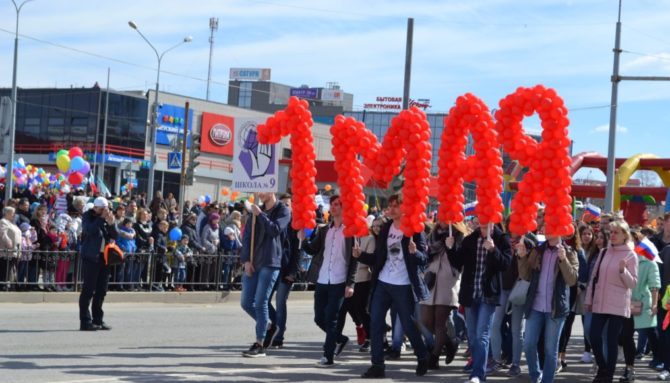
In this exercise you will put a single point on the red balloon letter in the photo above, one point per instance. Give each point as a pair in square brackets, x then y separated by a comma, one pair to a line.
[548, 178]
[470, 115]
[296, 121]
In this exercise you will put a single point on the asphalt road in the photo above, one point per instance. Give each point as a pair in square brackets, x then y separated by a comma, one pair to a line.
[158, 342]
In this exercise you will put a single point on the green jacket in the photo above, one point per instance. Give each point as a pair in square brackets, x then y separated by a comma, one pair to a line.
[648, 278]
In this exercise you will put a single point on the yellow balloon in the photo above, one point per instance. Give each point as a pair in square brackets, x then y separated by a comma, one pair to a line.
[63, 163]
[366, 207]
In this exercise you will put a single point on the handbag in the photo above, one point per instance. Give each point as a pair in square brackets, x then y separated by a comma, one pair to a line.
[113, 255]
[635, 308]
[429, 278]
[518, 294]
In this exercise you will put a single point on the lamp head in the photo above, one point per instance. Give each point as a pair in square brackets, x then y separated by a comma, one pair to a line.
[132, 24]
[188, 39]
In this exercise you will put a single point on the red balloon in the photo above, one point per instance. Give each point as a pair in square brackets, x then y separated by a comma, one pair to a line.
[75, 178]
[76, 152]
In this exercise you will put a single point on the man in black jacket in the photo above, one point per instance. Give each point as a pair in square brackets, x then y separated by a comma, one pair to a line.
[396, 264]
[333, 269]
[98, 229]
[483, 258]
[287, 275]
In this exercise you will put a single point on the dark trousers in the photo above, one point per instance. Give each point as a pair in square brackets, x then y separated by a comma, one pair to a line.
[613, 324]
[95, 277]
[627, 341]
[401, 299]
[566, 333]
[357, 307]
[327, 303]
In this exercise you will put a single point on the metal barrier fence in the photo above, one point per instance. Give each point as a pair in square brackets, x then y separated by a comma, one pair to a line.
[61, 271]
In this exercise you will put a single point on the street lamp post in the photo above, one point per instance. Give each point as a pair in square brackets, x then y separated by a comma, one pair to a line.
[154, 112]
[9, 182]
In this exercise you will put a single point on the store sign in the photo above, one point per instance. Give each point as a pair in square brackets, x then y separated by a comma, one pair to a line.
[395, 103]
[217, 134]
[171, 124]
[250, 74]
[332, 95]
[309, 93]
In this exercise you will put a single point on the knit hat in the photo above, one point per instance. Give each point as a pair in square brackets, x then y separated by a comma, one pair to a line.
[213, 217]
[228, 231]
[25, 227]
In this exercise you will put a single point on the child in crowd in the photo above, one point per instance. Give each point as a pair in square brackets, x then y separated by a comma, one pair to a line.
[126, 242]
[182, 253]
[28, 237]
[230, 246]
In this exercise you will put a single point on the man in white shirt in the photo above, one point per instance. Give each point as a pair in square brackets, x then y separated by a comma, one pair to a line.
[396, 265]
[333, 269]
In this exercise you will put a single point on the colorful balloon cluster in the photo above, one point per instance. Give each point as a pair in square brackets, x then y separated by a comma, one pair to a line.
[296, 121]
[407, 138]
[548, 178]
[73, 164]
[349, 139]
[30, 176]
[470, 115]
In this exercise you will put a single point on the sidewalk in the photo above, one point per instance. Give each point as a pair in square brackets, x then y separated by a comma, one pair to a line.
[139, 297]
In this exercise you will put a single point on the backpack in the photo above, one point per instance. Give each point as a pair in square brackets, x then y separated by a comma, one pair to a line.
[113, 255]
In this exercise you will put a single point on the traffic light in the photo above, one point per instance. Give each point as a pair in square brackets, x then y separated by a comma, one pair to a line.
[193, 153]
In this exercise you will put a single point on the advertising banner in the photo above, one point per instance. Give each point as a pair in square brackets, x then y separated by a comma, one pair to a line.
[250, 74]
[218, 132]
[171, 124]
[255, 166]
[308, 93]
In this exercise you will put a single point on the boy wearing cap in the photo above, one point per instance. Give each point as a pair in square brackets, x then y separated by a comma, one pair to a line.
[98, 229]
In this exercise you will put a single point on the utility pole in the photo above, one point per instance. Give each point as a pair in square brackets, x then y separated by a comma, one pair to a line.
[408, 63]
[213, 26]
[104, 132]
[182, 181]
[610, 190]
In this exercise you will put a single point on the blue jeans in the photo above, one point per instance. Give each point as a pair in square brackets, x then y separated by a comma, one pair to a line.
[181, 275]
[517, 333]
[401, 298]
[478, 319]
[256, 290]
[535, 322]
[496, 327]
[328, 300]
[278, 316]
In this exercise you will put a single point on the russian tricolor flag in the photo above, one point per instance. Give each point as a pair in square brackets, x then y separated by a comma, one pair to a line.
[647, 249]
[593, 210]
[469, 208]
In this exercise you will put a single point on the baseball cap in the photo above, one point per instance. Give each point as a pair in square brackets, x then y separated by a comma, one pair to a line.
[100, 202]
[228, 231]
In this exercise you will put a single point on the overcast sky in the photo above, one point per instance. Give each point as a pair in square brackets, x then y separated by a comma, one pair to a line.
[485, 47]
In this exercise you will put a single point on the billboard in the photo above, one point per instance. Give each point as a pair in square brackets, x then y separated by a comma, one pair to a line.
[170, 122]
[332, 95]
[255, 166]
[217, 134]
[309, 93]
[250, 74]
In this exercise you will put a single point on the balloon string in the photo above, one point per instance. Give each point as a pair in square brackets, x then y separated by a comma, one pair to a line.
[451, 234]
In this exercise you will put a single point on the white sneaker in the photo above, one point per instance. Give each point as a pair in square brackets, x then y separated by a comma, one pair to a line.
[324, 363]
[665, 375]
[474, 379]
[586, 358]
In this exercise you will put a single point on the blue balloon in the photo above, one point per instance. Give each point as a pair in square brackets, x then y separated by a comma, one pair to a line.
[208, 199]
[308, 232]
[175, 234]
[77, 164]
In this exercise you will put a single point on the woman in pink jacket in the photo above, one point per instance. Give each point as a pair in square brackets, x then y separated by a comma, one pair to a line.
[608, 297]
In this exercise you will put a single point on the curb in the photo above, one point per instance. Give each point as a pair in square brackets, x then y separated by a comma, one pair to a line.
[191, 297]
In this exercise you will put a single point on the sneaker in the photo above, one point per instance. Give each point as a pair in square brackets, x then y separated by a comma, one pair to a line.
[277, 344]
[468, 366]
[374, 372]
[392, 354]
[664, 376]
[639, 356]
[269, 336]
[514, 371]
[586, 358]
[365, 347]
[255, 351]
[324, 362]
[656, 366]
[492, 366]
[628, 376]
[339, 347]
[360, 335]
[474, 379]
[422, 367]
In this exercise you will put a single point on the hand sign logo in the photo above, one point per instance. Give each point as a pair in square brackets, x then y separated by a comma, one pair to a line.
[254, 157]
